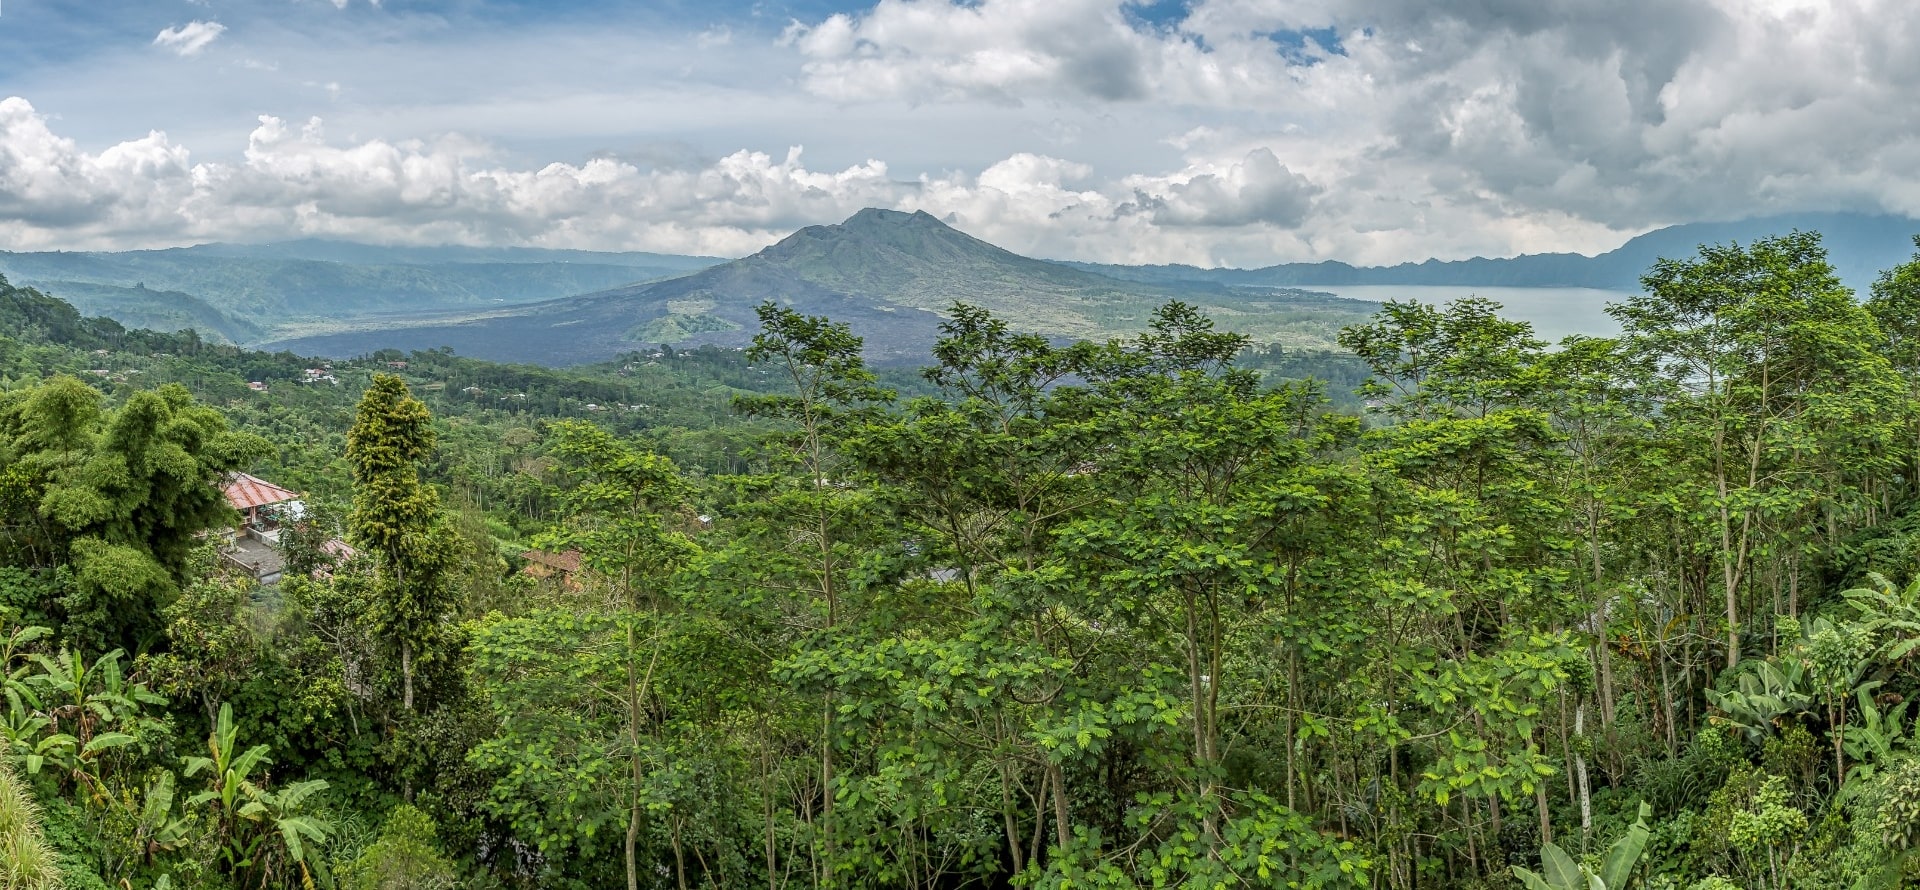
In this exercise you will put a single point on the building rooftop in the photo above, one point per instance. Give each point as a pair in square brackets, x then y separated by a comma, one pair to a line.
[244, 492]
[263, 561]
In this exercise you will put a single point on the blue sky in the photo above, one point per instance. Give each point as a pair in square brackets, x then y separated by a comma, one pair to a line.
[1238, 132]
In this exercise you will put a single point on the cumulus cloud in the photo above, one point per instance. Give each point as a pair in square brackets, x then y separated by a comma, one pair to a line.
[48, 185]
[1408, 122]
[191, 38]
[1243, 132]
[1257, 190]
[998, 49]
[291, 180]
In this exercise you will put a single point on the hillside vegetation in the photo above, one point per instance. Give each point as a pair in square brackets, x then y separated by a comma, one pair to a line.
[1636, 613]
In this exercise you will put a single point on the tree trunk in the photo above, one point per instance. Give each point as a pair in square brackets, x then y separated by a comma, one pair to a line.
[1007, 817]
[406, 675]
[1062, 825]
[679, 860]
[1580, 772]
[1546, 818]
[766, 794]
[826, 790]
[637, 684]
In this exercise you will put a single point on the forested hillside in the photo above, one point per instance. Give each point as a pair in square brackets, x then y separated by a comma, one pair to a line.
[887, 275]
[1145, 612]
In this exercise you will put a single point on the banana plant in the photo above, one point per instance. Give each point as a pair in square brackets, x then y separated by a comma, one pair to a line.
[1872, 740]
[1764, 693]
[229, 771]
[159, 830]
[80, 761]
[1891, 613]
[281, 812]
[22, 724]
[21, 729]
[1875, 735]
[12, 649]
[81, 698]
[246, 815]
[1616, 869]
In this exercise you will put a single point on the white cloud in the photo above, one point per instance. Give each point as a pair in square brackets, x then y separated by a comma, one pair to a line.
[1435, 128]
[1245, 132]
[292, 181]
[1256, 190]
[1001, 50]
[191, 38]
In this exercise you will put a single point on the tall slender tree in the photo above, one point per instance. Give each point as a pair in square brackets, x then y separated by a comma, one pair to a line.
[398, 518]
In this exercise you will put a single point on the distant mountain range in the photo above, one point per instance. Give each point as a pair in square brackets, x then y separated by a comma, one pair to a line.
[347, 252]
[247, 293]
[885, 273]
[1858, 245]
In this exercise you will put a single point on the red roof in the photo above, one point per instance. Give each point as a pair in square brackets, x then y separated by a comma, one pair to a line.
[338, 549]
[245, 492]
[568, 562]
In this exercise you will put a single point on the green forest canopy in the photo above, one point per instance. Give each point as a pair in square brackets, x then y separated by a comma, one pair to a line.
[1608, 613]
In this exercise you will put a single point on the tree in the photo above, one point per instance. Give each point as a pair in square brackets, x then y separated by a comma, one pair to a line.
[988, 473]
[1772, 372]
[815, 523]
[621, 505]
[398, 518]
[1207, 480]
[119, 497]
[1895, 307]
[404, 858]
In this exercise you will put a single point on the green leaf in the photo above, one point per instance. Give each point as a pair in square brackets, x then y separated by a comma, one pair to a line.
[106, 741]
[1561, 871]
[1531, 880]
[1625, 853]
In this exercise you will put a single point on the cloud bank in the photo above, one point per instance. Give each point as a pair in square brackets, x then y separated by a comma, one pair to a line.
[1241, 132]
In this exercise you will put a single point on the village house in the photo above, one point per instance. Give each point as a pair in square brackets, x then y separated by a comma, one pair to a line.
[266, 510]
[254, 546]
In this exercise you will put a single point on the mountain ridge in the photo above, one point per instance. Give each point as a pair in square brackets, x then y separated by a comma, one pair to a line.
[1859, 246]
[266, 294]
[887, 274]
[355, 253]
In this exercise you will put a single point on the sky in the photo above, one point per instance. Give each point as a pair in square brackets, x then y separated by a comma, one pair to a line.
[1212, 132]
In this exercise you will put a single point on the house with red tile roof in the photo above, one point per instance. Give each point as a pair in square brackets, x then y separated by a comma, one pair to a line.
[248, 493]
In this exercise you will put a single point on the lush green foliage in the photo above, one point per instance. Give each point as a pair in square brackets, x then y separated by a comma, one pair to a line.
[1155, 611]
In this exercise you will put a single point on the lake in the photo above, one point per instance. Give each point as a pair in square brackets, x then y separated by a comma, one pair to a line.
[1554, 312]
